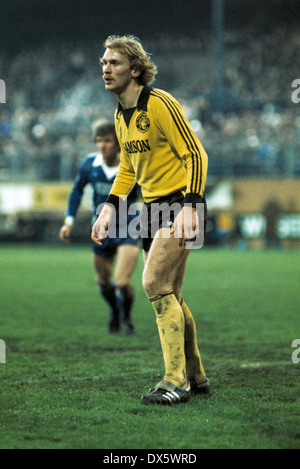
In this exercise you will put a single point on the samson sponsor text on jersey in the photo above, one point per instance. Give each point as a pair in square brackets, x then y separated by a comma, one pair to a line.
[137, 146]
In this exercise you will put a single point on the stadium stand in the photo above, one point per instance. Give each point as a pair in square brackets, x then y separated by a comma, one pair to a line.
[55, 93]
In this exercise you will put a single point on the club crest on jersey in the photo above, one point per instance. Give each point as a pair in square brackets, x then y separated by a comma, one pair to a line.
[143, 122]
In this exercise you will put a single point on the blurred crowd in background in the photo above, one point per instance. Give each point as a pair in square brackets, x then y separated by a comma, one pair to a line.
[54, 92]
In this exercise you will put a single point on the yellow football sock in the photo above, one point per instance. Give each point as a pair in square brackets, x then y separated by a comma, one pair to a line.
[170, 323]
[194, 368]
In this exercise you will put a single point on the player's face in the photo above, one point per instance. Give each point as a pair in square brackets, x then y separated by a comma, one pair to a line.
[117, 73]
[109, 148]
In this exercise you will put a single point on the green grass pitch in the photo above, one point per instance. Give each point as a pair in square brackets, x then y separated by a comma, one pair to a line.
[67, 384]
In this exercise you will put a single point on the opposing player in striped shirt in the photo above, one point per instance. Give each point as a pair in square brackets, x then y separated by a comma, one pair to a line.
[115, 260]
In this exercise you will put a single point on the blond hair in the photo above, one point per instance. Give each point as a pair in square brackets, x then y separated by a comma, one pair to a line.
[139, 59]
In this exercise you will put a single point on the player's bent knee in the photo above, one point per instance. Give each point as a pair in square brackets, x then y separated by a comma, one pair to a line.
[155, 286]
[103, 278]
[149, 288]
[147, 281]
[122, 280]
[126, 290]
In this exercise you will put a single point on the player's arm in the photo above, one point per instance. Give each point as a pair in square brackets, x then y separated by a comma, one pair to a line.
[185, 143]
[101, 225]
[125, 178]
[175, 126]
[66, 230]
[124, 182]
[74, 201]
[122, 186]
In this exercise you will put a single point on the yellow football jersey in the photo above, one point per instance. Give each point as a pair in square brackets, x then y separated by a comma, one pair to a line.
[159, 149]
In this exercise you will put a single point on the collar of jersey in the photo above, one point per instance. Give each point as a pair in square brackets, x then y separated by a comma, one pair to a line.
[98, 161]
[109, 171]
[142, 102]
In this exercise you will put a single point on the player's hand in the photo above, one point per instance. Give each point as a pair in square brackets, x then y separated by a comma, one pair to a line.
[186, 225]
[100, 227]
[65, 233]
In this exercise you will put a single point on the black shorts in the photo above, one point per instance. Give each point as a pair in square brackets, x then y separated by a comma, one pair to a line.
[154, 216]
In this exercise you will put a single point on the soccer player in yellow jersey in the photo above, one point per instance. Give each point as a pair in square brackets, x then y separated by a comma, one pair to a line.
[160, 151]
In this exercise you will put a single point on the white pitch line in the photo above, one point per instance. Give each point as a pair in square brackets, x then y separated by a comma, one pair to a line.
[266, 364]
